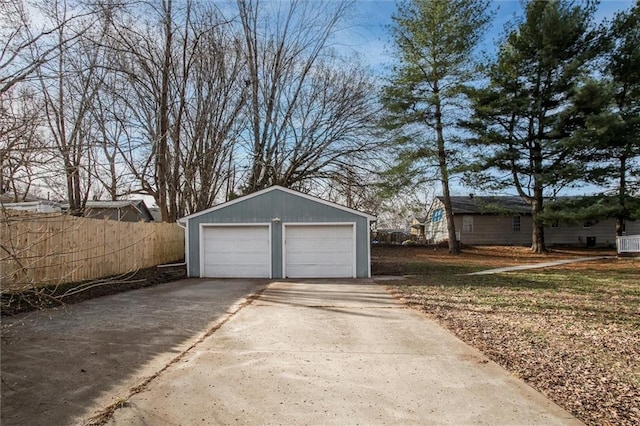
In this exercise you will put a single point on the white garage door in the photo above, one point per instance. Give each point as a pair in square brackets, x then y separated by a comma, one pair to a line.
[319, 251]
[236, 252]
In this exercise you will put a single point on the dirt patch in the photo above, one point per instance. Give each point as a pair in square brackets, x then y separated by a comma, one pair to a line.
[12, 303]
[571, 331]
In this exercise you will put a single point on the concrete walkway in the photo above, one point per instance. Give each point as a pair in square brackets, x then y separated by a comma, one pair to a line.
[538, 265]
[335, 352]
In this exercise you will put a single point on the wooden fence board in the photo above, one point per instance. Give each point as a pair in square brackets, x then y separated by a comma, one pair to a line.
[40, 250]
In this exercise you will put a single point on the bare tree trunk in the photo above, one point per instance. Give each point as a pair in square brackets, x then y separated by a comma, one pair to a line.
[249, 19]
[162, 160]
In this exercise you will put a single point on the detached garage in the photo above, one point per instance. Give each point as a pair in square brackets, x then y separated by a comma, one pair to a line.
[278, 233]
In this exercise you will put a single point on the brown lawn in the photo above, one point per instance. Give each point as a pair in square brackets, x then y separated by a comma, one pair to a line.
[571, 331]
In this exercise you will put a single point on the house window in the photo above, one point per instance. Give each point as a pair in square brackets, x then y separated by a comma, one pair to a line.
[555, 223]
[467, 224]
[587, 224]
[436, 216]
[515, 224]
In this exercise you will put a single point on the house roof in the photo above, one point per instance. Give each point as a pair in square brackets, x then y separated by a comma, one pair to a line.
[39, 206]
[271, 189]
[138, 205]
[488, 205]
[514, 205]
[115, 204]
[9, 197]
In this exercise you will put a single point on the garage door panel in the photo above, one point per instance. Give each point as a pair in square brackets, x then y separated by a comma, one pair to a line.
[236, 252]
[236, 271]
[239, 258]
[319, 251]
[326, 244]
[319, 232]
[340, 257]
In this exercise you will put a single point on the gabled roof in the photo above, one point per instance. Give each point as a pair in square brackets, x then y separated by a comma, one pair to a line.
[271, 189]
[488, 205]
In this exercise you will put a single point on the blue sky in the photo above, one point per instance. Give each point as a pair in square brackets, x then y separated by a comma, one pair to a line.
[369, 37]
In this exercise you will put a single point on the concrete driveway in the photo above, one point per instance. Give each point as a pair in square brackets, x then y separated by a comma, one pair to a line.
[62, 365]
[315, 352]
[335, 352]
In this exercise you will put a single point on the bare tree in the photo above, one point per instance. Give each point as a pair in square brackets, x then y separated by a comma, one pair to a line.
[186, 90]
[306, 114]
[110, 132]
[149, 61]
[26, 46]
[29, 44]
[355, 188]
[69, 85]
[327, 131]
[21, 144]
[213, 120]
[115, 128]
[184, 104]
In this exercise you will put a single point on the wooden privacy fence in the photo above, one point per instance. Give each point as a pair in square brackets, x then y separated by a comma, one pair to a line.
[39, 250]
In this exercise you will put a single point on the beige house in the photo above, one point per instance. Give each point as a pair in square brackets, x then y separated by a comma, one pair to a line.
[507, 221]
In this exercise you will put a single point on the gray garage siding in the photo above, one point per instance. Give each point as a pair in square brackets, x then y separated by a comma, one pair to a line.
[290, 208]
